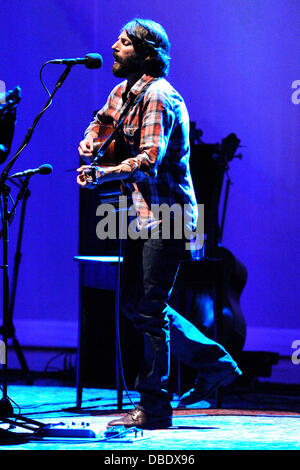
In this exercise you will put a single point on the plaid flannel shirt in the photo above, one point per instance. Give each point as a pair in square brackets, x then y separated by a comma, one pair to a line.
[156, 134]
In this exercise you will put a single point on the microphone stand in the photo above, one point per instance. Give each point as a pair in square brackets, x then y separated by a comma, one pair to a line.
[6, 409]
[23, 195]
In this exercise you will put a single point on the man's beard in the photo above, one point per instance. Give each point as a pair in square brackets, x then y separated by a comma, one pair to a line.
[124, 68]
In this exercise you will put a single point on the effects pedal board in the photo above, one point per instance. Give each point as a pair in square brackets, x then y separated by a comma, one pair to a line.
[87, 432]
[69, 430]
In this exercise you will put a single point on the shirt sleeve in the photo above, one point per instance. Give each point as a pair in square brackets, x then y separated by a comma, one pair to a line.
[97, 121]
[103, 115]
[156, 127]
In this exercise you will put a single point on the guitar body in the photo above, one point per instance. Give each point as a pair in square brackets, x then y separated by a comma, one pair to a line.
[110, 155]
[111, 191]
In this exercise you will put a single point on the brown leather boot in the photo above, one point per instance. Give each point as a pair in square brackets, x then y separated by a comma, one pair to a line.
[139, 419]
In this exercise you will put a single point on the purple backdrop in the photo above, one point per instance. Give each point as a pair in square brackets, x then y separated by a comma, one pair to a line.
[234, 62]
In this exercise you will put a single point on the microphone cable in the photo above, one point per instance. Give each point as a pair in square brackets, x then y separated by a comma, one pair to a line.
[44, 84]
[31, 129]
[117, 312]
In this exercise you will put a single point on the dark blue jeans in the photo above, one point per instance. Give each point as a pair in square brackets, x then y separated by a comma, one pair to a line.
[149, 272]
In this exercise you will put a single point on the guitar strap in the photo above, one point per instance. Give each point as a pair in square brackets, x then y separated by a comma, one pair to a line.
[123, 115]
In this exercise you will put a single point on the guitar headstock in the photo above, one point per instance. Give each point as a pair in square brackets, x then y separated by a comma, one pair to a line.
[228, 147]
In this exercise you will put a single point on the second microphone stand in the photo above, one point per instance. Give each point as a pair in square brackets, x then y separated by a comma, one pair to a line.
[6, 409]
[23, 195]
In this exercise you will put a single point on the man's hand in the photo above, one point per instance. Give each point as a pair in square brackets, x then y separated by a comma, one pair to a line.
[85, 177]
[102, 174]
[91, 175]
[85, 148]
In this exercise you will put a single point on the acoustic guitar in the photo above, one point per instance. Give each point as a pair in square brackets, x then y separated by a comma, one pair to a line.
[107, 153]
[209, 164]
[104, 147]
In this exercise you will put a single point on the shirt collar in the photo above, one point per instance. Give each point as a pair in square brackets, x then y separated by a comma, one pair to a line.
[137, 88]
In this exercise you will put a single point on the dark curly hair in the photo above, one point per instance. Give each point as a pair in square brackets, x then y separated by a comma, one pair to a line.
[150, 39]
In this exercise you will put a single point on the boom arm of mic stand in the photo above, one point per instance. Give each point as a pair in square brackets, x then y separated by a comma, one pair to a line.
[60, 81]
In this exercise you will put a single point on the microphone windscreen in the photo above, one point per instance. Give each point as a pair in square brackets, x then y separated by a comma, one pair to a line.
[45, 169]
[94, 61]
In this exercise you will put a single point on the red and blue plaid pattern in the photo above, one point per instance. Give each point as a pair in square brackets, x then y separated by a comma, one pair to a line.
[156, 134]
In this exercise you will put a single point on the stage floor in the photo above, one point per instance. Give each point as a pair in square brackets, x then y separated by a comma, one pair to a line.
[248, 420]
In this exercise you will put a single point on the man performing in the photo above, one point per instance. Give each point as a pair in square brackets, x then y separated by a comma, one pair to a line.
[155, 134]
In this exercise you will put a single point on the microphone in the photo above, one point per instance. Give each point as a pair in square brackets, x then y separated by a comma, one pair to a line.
[42, 170]
[91, 61]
